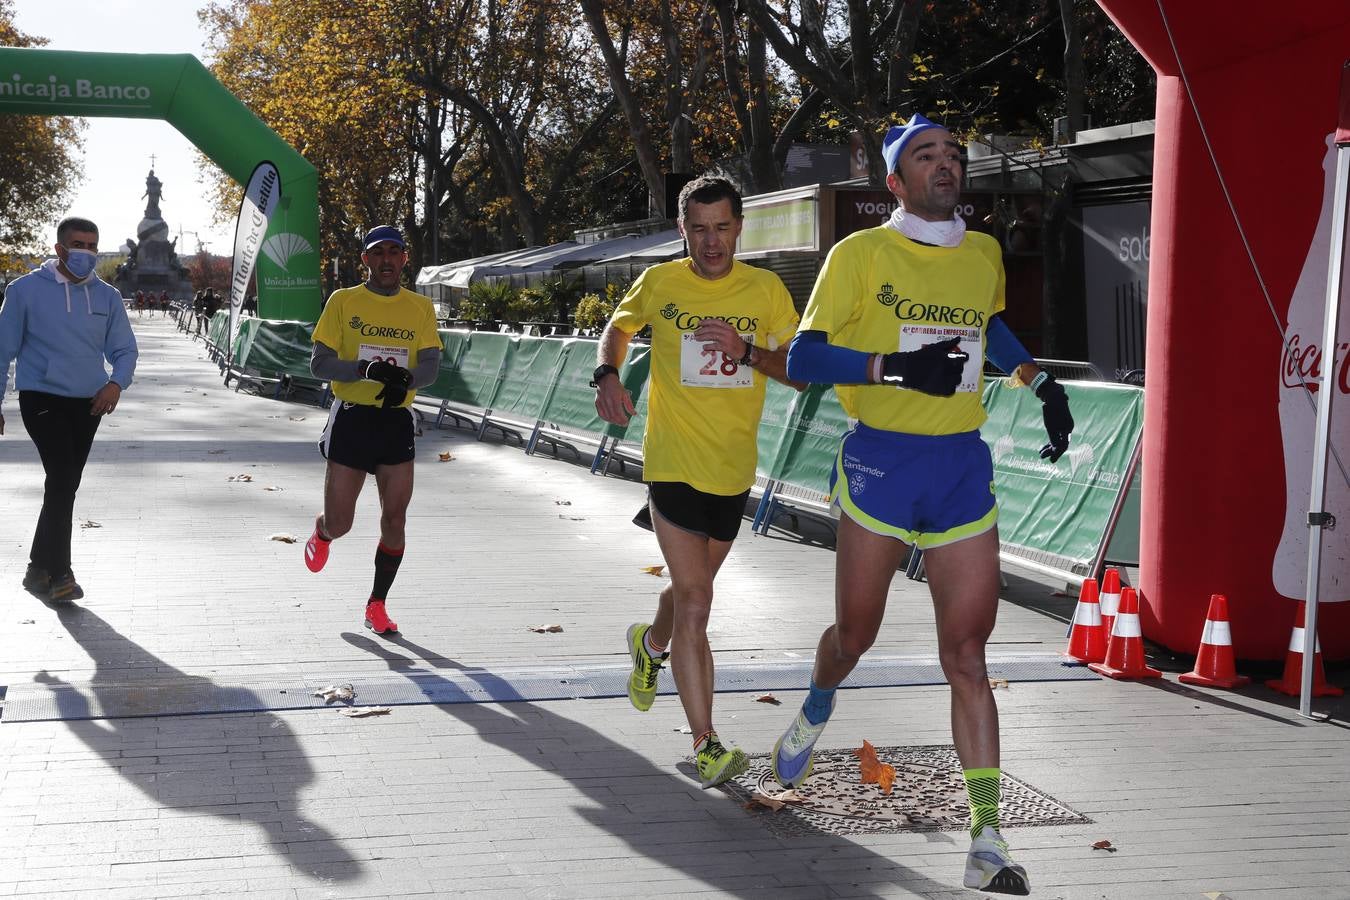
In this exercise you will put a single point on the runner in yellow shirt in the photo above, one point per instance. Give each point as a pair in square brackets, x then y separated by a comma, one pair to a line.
[719, 329]
[901, 320]
[376, 344]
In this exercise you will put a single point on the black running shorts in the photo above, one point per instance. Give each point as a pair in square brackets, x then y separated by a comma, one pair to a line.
[690, 509]
[365, 437]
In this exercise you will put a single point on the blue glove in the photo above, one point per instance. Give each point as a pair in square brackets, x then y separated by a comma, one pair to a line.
[933, 368]
[1058, 421]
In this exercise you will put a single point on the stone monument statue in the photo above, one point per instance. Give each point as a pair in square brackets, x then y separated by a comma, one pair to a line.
[152, 264]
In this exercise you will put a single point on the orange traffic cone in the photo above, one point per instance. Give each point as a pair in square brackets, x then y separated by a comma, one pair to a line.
[1292, 682]
[1110, 599]
[1125, 650]
[1087, 638]
[1214, 663]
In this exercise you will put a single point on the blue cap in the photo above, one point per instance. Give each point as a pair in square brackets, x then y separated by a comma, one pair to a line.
[384, 233]
[900, 135]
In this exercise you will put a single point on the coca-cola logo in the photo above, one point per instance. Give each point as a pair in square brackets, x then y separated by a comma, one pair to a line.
[1306, 361]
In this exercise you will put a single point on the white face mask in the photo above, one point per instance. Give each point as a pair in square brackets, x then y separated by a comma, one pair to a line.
[80, 262]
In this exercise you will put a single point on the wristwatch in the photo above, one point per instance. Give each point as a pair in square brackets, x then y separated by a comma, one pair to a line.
[749, 353]
[601, 372]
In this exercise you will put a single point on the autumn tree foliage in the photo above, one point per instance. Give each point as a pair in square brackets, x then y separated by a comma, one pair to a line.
[39, 165]
[481, 125]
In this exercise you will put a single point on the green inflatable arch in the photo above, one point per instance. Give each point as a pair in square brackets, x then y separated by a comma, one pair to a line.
[178, 89]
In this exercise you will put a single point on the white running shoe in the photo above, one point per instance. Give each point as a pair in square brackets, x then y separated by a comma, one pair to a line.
[794, 752]
[990, 868]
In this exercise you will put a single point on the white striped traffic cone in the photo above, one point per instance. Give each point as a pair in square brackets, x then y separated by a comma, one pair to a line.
[1292, 682]
[1109, 599]
[1214, 665]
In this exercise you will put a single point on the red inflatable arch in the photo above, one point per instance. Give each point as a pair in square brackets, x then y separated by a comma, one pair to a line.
[1228, 431]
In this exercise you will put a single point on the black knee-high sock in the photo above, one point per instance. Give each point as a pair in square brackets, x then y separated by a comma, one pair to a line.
[386, 567]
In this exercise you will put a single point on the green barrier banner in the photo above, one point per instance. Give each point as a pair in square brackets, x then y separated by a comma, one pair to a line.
[243, 339]
[453, 345]
[180, 90]
[633, 373]
[572, 403]
[810, 443]
[527, 377]
[779, 409]
[474, 381]
[281, 348]
[1057, 514]
[217, 328]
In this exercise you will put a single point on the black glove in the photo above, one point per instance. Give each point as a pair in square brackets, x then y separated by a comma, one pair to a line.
[385, 372]
[1058, 421]
[392, 395]
[933, 368]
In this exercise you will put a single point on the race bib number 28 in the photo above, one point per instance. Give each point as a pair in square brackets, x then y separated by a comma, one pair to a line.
[711, 368]
[396, 355]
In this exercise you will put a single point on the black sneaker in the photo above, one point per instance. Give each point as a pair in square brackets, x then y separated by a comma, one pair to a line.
[36, 580]
[65, 589]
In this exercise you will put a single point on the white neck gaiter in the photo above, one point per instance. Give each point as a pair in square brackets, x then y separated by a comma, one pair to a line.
[942, 234]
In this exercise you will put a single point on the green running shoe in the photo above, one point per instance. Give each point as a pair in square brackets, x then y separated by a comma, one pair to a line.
[646, 668]
[717, 764]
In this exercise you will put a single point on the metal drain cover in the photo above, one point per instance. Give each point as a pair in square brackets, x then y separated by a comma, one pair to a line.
[929, 794]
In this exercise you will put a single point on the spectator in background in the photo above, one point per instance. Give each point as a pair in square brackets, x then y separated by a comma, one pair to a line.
[61, 323]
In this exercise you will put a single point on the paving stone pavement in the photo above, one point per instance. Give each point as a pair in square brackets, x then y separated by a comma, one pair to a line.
[1202, 793]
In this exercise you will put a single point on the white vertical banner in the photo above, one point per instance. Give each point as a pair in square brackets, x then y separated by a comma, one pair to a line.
[260, 197]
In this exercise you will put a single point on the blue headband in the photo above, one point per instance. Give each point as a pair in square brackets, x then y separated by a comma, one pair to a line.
[900, 135]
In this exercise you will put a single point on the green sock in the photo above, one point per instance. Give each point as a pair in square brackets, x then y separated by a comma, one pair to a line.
[982, 786]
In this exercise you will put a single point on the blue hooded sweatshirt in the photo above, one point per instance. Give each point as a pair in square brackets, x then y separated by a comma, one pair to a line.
[61, 331]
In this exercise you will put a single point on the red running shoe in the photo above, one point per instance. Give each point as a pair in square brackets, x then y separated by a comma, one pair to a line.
[316, 551]
[377, 620]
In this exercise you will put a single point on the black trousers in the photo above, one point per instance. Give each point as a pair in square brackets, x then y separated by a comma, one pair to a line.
[63, 431]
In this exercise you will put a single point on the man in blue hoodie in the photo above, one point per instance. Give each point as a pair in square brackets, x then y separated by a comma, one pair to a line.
[61, 322]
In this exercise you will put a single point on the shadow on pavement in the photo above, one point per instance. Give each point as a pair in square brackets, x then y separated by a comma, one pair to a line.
[201, 783]
[593, 764]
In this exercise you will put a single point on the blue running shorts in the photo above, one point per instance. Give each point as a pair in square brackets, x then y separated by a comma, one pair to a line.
[926, 490]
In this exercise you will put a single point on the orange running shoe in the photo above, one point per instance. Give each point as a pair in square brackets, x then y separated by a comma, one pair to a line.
[377, 620]
[316, 550]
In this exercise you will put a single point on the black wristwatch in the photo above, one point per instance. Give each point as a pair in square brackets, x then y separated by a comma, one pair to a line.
[749, 353]
[601, 372]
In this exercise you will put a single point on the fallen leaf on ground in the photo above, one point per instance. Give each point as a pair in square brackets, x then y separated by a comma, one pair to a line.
[297, 418]
[653, 570]
[284, 538]
[446, 457]
[89, 523]
[360, 712]
[774, 802]
[271, 487]
[215, 452]
[768, 698]
[684, 729]
[873, 770]
[240, 478]
[1104, 845]
[562, 502]
[544, 629]
[343, 692]
[26, 622]
[573, 518]
[996, 683]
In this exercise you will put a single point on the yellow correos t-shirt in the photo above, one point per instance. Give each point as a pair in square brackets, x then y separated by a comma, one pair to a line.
[880, 292]
[703, 408]
[361, 324]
